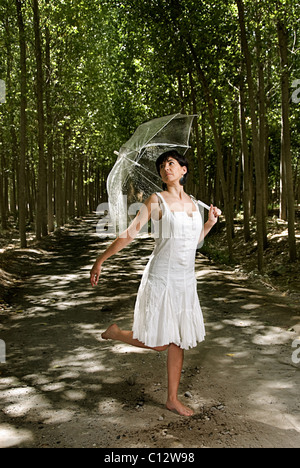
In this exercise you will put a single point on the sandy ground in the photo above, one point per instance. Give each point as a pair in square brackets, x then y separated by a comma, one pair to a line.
[63, 386]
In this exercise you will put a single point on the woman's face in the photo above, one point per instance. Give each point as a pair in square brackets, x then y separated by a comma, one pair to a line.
[171, 171]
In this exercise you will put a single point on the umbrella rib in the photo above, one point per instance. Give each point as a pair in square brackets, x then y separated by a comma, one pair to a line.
[167, 123]
[139, 165]
[150, 181]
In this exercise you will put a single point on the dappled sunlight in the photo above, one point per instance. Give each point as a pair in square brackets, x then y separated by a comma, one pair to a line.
[11, 436]
[127, 349]
[282, 235]
[80, 358]
[57, 416]
[270, 396]
[21, 401]
[251, 306]
[272, 336]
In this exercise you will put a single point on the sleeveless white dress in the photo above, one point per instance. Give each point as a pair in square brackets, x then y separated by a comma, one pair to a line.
[167, 308]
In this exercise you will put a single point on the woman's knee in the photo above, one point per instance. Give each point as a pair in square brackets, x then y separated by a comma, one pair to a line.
[161, 349]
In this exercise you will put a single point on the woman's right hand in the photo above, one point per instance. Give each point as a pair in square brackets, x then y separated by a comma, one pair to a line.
[95, 273]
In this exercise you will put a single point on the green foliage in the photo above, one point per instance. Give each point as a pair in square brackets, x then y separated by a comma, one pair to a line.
[115, 64]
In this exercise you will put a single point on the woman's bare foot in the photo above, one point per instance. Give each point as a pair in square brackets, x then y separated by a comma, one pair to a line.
[111, 333]
[178, 407]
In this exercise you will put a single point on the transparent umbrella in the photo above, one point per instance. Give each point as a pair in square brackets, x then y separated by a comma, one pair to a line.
[134, 176]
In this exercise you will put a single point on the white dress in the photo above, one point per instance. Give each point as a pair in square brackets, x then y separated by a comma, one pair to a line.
[167, 308]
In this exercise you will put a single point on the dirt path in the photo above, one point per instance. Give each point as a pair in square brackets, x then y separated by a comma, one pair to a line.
[62, 386]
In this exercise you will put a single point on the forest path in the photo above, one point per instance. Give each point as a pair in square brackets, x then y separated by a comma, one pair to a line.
[63, 386]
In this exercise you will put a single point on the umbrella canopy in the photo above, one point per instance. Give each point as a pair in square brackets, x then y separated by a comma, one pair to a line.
[134, 176]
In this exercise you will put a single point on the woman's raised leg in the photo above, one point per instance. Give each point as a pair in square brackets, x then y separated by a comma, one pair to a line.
[115, 333]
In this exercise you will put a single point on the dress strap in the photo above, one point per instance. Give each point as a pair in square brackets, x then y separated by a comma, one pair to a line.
[163, 204]
[194, 200]
[162, 199]
[198, 204]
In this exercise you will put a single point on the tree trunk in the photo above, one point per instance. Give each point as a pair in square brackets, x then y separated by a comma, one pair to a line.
[23, 125]
[49, 132]
[59, 192]
[286, 137]
[262, 129]
[245, 164]
[200, 153]
[255, 138]
[232, 178]
[2, 181]
[41, 215]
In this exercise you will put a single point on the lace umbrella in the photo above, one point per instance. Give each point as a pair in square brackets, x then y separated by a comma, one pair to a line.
[134, 176]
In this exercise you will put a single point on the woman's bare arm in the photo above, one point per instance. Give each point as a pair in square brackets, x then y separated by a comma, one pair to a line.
[143, 216]
[213, 217]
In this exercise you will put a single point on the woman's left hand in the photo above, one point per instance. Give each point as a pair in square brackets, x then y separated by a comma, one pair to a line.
[214, 214]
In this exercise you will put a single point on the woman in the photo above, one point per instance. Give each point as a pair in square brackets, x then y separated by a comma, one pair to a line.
[167, 313]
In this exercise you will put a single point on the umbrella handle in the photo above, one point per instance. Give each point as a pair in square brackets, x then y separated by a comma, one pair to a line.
[208, 207]
[203, 205]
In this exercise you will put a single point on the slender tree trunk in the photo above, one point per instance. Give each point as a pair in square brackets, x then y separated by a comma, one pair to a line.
[79, 187]
[49, 132]
[233, 176]
[23, 126]
[59, 192]
[11, 146]
[255, 138]
[41, 215]
[2, 181]
[286, 137]
[180, 93]
[262, 130]
[200, 154]
[13, 188]
[245, 164]
[238, 192]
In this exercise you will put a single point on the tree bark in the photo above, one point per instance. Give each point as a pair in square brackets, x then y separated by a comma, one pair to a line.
[245, 164]
[262, 130]
[41, 215]
[49, 114]
[23, 127]
[286, 137]
[59, 188]
[3, 212]
[200, 153]
[255, 138]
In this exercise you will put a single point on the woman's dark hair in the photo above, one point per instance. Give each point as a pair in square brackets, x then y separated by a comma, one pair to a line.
[179, 158]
